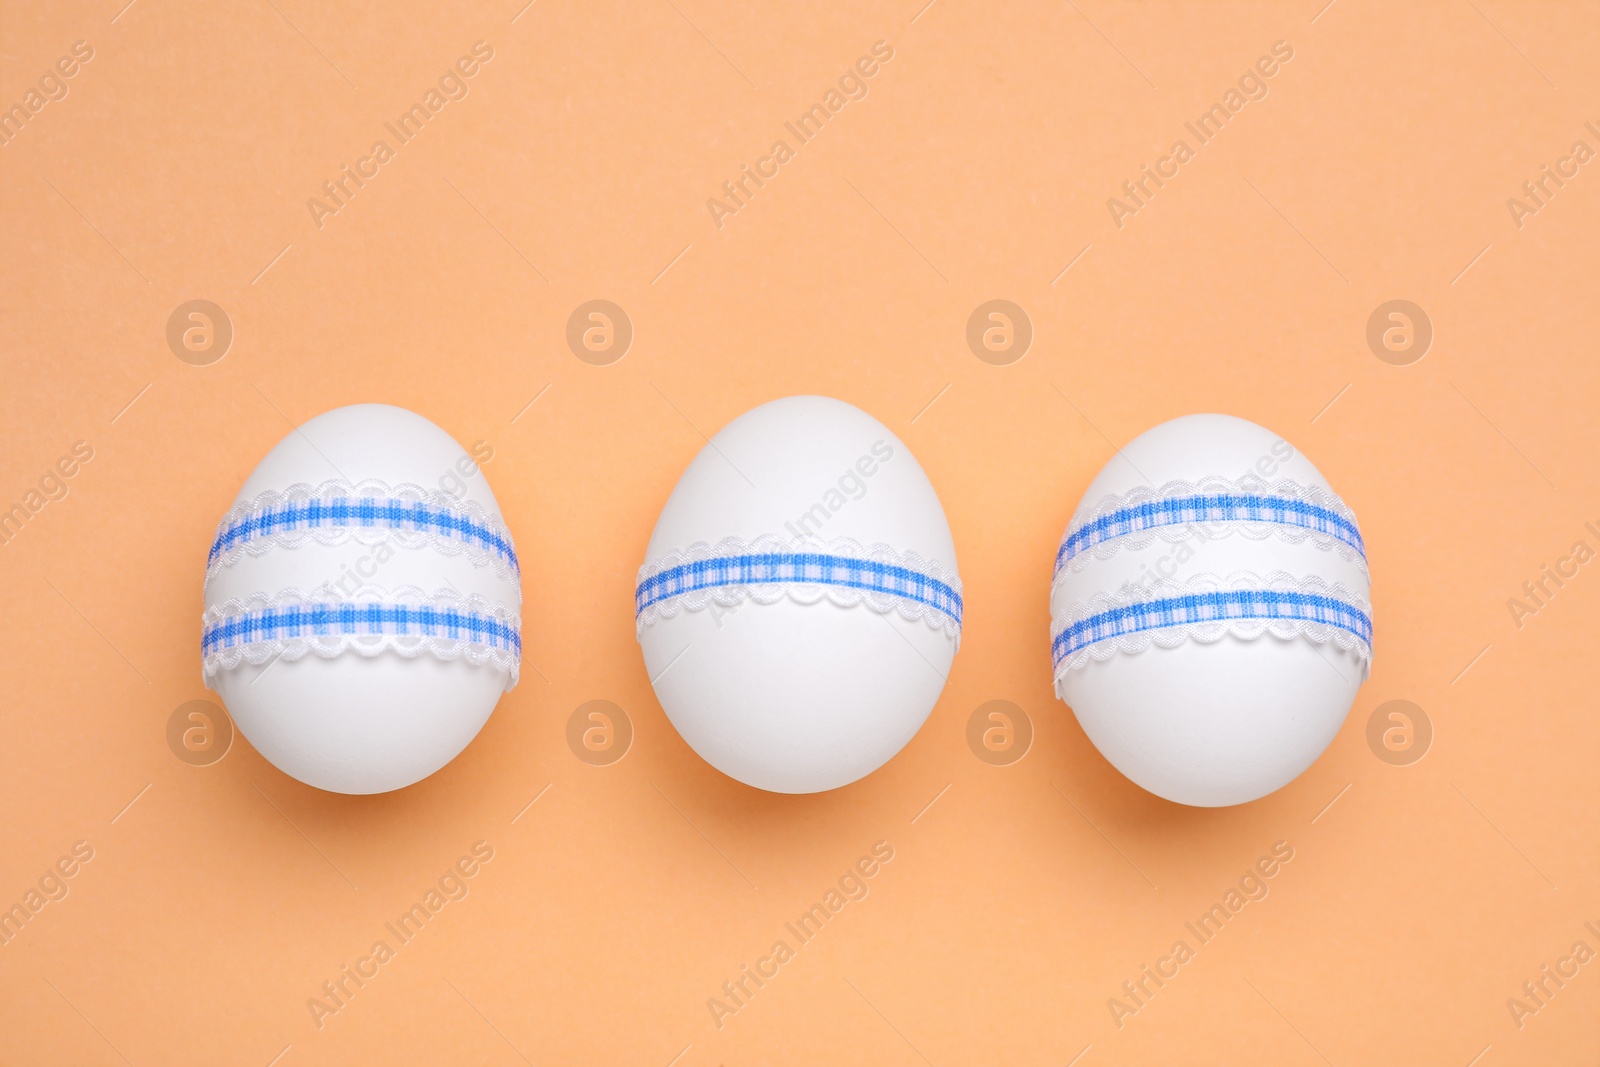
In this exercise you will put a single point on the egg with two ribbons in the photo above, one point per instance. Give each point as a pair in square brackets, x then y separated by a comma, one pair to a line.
[362, 601]
[1211, 613]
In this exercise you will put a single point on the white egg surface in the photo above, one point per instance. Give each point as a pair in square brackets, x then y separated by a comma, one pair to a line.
[1211, 615]
[362, 601]
[799, 607]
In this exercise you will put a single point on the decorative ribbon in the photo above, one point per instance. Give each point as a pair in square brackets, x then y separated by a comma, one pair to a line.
[1294, 510]
[1207, 608]
[770, 568]
[338, 510]
[371, 621]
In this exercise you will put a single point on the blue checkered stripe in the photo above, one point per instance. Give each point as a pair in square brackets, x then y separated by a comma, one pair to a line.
[341, 618]
[815, 568]
[367, 513]
[1218, 606]
[1210, 507]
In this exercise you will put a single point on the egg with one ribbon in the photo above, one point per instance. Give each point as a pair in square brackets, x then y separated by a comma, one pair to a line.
[798, 607]
[1210, 611]
[363, 601]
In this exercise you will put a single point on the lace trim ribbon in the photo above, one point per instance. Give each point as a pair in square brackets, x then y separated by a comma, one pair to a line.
[1207, 608]
[1285, 508]
[371, 511]
[770, 568]
[370, 622]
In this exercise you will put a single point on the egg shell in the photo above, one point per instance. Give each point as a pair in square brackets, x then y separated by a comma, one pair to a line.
[352, 723]
[1222, 723]
[795, 697]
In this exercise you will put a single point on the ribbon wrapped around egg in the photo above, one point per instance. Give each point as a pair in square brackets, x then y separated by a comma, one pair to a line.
[1210, 609]
[799, 607]
[362, 601]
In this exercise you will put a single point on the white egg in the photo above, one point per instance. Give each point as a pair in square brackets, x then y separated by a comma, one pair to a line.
[362, 601]
[1211, 616]
[799, 607]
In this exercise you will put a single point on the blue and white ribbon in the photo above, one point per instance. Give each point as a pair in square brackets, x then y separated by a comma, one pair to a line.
[771, 568]
[372, 621]
[371, 511]
[1207, 608]
[1286, 509]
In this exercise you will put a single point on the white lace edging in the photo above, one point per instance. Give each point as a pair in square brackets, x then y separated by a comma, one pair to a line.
[340, 489]
[1211, 631]
[802, 592]
[502, 657]
[1254, 484]
[1212, 529]
[1209, 531]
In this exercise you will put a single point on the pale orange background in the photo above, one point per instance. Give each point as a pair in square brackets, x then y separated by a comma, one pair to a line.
[978, 167]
